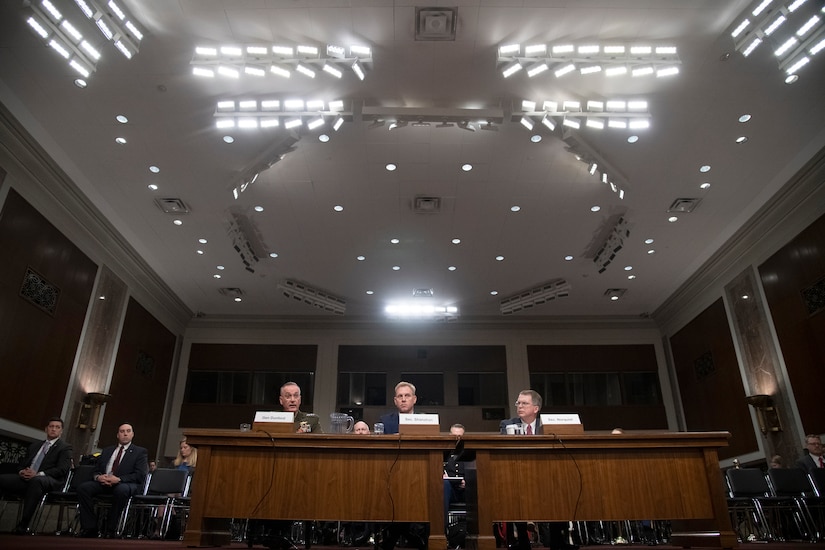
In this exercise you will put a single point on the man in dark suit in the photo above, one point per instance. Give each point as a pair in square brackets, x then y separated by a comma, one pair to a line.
[44, 469]
[120, 471]
[404, 400]
[814, 458]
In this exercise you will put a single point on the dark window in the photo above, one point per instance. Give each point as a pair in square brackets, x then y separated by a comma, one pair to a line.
[641, 388]
[362, 388]
[259, 388]
[429, 387]
[482, 388]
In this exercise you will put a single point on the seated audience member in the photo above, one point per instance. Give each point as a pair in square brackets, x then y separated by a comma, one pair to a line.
[453, 468]
[813, 458]
[361, 428]
[776, 462]
[43, 469]
[120, 471]
[186, 459]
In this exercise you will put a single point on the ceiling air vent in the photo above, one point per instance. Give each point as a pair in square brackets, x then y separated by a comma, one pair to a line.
[684, 205]
[172, 206]
[435, 23]
[423, 293]
[427, 205]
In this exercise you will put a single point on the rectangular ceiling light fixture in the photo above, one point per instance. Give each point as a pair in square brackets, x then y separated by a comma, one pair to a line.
[528, 299]
[307, 295]
[115, 23]
[63, 37]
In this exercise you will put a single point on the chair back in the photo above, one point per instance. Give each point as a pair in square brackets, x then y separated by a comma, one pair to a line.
[747, 482]
[167, 480]
[817, 478]
[790, 482]
[80, 474]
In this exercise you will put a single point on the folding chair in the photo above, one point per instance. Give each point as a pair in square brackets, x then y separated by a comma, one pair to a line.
[64, 500]
[141, 512]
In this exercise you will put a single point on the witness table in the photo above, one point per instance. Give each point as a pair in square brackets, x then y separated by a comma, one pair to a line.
[594, 476]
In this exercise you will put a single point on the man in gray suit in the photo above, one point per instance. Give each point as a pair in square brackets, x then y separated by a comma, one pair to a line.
[43, 469]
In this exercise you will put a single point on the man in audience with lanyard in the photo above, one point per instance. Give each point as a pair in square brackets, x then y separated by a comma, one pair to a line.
[120, 471]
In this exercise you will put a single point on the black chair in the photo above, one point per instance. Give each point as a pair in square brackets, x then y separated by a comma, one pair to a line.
[747, 487]
[5, 499]
[790, 488]
[153, 508]
[64, 500]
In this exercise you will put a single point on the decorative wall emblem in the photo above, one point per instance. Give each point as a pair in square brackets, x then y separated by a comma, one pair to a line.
[703, 365]
[39, 291]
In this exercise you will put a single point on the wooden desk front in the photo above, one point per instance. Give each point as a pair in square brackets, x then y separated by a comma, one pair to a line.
[314, 477]
[663, 475]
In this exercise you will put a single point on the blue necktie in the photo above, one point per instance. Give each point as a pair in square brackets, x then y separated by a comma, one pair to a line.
[41, 454]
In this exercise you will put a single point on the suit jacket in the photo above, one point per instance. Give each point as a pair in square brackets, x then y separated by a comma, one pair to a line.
[133, 467]
[806, 463]
[390, 421]
[314, 422]
[502, 428]
[57, 462]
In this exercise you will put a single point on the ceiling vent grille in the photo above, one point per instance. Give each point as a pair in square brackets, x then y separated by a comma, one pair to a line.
[684, 205]
[527, 299]
[172, 206]
[312, 297]
[435, 23]
[427, 205]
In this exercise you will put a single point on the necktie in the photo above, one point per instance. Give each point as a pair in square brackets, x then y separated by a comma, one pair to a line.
[38, 458]
[116, 463]
[821, 463]
[529, 429]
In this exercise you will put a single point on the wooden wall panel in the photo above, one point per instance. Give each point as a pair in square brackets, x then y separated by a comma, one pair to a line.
[140, 380]
[37, 346]
[800, 265]
[713, 396]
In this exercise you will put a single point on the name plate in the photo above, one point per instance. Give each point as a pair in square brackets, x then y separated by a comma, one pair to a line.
[561, 424]
[418, 424]
[274, 421]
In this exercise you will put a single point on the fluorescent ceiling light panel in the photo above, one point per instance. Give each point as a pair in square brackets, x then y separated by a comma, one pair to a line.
[270, 104]
[592, 69]
[527, 122]
[333, 70]
[511, 69]
[509, 49]
[615, 71]
[535, 50]
[305, 70]
[223, 70]
[565, 70]
[231, 51]
[294, 104]
[293, 123]
[308, 51]
[537, 69]
[203, 71]
[283, 51]
[279, 71]
[528, 106]
[358, 70]
[254, 71]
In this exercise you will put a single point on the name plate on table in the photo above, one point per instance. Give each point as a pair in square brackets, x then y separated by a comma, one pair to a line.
[418, 424]
[561, 424]
[274, 422]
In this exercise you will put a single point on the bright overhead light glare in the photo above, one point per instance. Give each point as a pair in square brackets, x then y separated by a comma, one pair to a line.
[307, 51]
[739, 28]
[360, 51]
[270, 104]
[336, 105]
[358, 70]
[550, 106]
[795, 5]
[618, 123]
[125, 49]
[572, 123]
[283, 51]
[38, 28]
[642, 71]
[292, 123]
[254, 71]
[667, 71]
[231, 51]
[528, 106]
[614, 50]
[615, 71]
[638, 105]
[279, 71]
[223, 70]
[206, 51]
[789, 43]
[80, 68]
[569, 68]
[665, 50]
[315, 105]
[616, 105]
[257, 50]
[774, 25]
[535, 50]
[595, 123]
[338, 52]
[338, 123]
[816, 48]
[798, 65]
[571, 106]
[73, 32]
[589, 49]
[222, 123]
[592, 69]
[247, 105]
[104, 28]
[89, 49]
[509, 49]
[511, 69]
[294, 104]
[315, 123]
[305, 70]
[562, 49]
[117, 10]
[333, 70]
[270, 123]
[761, 7]
[527, 122]
[59, 48]
[809, 24]
[641, 50]
[537, 69]
[247, 122]
[53, 11]
[595, 106]
[593, 168]
[751, 46]
[548, 122]
[639, 123]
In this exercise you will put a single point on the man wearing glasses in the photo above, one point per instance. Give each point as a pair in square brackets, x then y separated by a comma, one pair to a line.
[527, 422]
[813, 459]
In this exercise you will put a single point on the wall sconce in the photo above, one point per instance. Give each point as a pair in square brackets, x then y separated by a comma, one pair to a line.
[766, 413]
[90, 410]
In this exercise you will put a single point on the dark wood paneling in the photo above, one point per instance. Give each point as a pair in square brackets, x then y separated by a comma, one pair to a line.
[140, 380]
[799, 265]
[35, 346]
[713, 398]
[253, 357]
[422, 358]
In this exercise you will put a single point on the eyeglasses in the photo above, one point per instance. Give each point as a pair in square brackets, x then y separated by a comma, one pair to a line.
[524, 403]
[290, 395]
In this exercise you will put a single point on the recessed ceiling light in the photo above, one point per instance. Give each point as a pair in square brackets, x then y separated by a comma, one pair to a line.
[360, 258]
[273, 254]
[395, 241]
[177, 222]
[154, 169]
[391, 166]
[705, 185]
[494, 292]
[120, 140]
[515, 208]
[744, 118]
[628, 268]
[672, 219]
[199, 252]
[370, 292]
[228, 139]
[631, 277]
[238, 299]
[535, 138]
[323, 138]
[704, 168]
[651, 251]
[499, 258]
[202, 241]
[80, 83]
[259, 208]
[452, 268]
[568, 258]
[595, 208]
[216, 276]
[791, 78]
[741, 139]
[396, 267]
[467, 167]
[220, 267]
[153, 187]
[338, 208]
[648, 241]
[632, 139]
[122, 119]
[456, 241]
